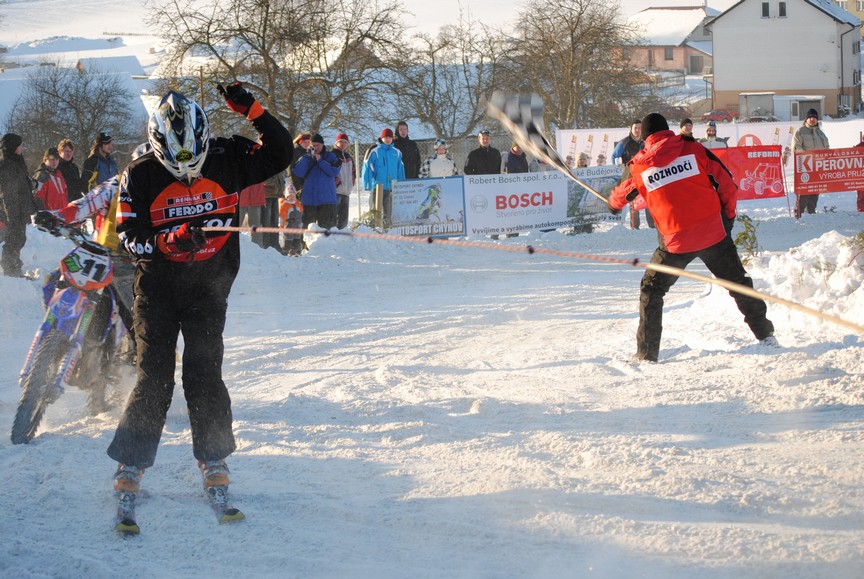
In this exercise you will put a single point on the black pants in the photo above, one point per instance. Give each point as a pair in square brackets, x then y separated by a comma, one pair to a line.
[722, 260]
[323, 215]
[805, 204]
[342, 211]
[13, 242]
[162, 311]
[270, 218]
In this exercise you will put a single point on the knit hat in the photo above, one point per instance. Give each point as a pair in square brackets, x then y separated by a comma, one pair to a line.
[483, 132]
[301, 137]
[341, 137]
[103, 138]
[812, 113]
[712, 124]
[440, 143]
[386, 133]
[10, 142]
[318, 139]
[653, 123]
[685, 122]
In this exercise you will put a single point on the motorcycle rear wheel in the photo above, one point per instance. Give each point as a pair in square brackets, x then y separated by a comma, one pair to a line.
[37, 386]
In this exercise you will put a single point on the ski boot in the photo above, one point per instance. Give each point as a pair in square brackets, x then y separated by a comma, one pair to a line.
[127, 484]
[215, 473]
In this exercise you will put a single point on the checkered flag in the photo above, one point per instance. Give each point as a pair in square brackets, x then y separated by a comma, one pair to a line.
[522, 116]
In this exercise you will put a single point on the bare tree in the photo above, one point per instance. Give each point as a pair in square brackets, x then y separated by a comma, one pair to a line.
[447, 80]
[311, 62]
[59, 102]
[571, 53]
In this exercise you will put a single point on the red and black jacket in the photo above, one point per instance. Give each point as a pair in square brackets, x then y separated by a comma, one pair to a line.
[686, 188]
[152, 201]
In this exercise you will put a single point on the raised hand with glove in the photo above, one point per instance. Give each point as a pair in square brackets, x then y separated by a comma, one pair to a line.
[185, 239]
[240, 100]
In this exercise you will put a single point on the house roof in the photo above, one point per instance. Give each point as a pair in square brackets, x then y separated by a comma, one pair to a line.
[704, 46]
[671, 26]
[826, 6]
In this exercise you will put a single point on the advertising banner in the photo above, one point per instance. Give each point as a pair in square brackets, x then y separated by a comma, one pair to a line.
[428, 207]
[758, 171]
[513, 203]
[829, 171]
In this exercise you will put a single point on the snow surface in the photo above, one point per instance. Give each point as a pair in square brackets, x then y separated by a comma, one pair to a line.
[414, 410]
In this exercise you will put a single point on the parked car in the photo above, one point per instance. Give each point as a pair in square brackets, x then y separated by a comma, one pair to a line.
[763, 119]
[674, 112]
[719, 116]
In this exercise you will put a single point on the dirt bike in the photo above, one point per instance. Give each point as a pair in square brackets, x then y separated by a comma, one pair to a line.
[77, 343]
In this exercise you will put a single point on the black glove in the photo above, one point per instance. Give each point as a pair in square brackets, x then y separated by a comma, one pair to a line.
[45, 220]
[186, 238]
[728, 223]
[237, 98]
[612, 210]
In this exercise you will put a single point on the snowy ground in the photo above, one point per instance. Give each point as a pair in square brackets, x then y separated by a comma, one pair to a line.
[406, 410]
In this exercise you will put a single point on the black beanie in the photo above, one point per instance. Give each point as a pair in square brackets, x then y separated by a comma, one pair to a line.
[10, 142]
[316, 138]
[653, 123]
[685, 122]
[812, 113]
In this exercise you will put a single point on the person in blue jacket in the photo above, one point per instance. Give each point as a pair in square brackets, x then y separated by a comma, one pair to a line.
[382, 166]
[318, 168]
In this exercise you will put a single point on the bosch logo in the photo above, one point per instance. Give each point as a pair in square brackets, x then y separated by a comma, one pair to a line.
[479, 204]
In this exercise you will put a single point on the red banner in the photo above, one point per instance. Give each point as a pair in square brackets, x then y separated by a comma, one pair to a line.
[829, 171]
[758, 171]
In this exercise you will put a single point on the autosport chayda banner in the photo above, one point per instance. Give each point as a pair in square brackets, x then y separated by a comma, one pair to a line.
[758, 171]
[829, 171]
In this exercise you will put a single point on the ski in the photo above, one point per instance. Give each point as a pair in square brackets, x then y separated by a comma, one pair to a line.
[225, 512]
[124, 522]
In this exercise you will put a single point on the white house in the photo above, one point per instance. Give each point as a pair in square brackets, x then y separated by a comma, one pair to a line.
[787, 47]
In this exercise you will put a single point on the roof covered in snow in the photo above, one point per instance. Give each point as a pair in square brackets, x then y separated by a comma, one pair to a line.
[826, 6]
[670, 26]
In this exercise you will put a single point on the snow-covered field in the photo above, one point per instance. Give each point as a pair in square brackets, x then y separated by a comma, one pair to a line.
[406, 410]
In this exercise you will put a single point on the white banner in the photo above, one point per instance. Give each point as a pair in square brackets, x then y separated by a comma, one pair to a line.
[499, 204]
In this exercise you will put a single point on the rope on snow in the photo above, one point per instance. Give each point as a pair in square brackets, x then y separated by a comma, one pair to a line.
[531, 250]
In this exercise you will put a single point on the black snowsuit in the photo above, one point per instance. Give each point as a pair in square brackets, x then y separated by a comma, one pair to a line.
[16, 205]
[410, 155]
[187, 292]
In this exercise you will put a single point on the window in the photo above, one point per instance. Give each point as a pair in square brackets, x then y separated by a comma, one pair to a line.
[766, 13]
[781, 11]
[843, 4]
[859, 5]
[668, 53]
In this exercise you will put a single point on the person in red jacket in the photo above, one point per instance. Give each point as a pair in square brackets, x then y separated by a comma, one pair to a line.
[692, 197]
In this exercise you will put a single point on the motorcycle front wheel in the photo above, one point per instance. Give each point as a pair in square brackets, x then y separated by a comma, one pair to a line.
[37, 386]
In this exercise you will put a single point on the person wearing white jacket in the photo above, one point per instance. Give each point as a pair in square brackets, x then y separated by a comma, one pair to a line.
[440, 164]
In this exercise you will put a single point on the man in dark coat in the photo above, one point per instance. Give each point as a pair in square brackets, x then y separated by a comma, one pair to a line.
[410, 151]
[485, 159]
[16, 202]
[75, 187]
